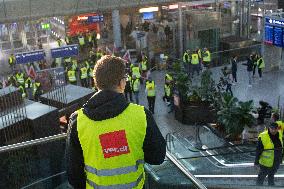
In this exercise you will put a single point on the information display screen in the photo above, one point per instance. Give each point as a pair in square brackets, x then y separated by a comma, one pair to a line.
[268, 34]
[278, 37]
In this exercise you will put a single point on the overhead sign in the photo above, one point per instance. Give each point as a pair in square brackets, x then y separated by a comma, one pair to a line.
[94, 19]
[65, 51]
[274, 22]
[28, 57]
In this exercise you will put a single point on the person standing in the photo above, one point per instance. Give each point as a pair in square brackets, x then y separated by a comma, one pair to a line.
[260, 65]
[249, 65]
[151, 94]
[254, 63]
[109, 139]
[206, 58]
[234, 68]
[135, 85]
[195, 63]
[84, 76]
[128, 89]
[269, 154]
[71, 74]
[12, 62]
[186, 61]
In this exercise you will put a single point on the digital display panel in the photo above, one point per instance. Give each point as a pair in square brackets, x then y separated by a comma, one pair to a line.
[268, 34]
[148, 15]
[278, 37]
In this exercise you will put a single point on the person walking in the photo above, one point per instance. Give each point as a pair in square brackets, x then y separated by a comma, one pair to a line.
[234, 68]
[249, 65]
[151, 94]
[269, 154]
[109, 139]
[135, 85]
[128, 89]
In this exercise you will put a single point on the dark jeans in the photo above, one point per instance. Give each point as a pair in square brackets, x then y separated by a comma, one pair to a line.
[136, 95]
[73, 83]
[128, 93]
[234, 74]
[229, 89]
[266, 171]
[195, 68]
[260, 72]
[84, 83]
[253, 72]
[151, 103]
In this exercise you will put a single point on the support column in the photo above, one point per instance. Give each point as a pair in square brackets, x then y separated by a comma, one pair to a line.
[248, 19]
[180, 30]
[234, 16]
[116, 28]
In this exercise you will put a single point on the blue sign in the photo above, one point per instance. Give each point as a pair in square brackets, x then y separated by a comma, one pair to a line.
[140, 35]
[94, 19]
[278, 36]
[268, 34]
[274, 22]
[66, 51]
[28, 57]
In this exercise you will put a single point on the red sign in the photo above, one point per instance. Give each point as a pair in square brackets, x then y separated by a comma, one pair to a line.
[79, 24]
[114, 144]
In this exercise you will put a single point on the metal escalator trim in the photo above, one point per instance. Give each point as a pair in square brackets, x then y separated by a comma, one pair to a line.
[195, 181]
[32, 142]
[229, 164]
[232, 176]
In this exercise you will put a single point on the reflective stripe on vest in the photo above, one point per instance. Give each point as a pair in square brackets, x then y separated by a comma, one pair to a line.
[151, 88]
[184, 57]
[194, 59]
[167, 90]
[71, 75]
[136, 71]
[112, 150]
[207, 57]
[35, 87]
[68, 60]
[84, 73]
[91, 72]
[20, 78]
[168, 77]
[117, 186]
[136, 84]
[267, 156]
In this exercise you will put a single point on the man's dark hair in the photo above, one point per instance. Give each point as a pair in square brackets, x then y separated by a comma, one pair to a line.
[108, 72]
[275, 116]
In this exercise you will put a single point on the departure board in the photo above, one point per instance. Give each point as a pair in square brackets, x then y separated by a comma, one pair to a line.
[268, 34]
[278, 37]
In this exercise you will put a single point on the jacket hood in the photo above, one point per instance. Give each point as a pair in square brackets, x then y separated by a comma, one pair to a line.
[104, 105]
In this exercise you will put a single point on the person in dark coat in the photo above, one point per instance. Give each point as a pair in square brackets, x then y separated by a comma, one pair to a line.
[234, 68]
[268, 161]
[249, 65]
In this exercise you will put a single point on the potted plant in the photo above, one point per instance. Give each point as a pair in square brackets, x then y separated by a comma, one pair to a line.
[234, 116]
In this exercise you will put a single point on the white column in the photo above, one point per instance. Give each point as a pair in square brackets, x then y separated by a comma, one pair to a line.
[180, 30]
[116, 28]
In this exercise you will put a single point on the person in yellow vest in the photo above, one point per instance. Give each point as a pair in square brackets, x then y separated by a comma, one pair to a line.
[135, 86]
[269, 154]
[136, 71]
[144, 67]
[276, 118]
[151, 94]
[186, 60]
[128, 88]
[199, 53]
[22, 91]
[110, 139]
[206, 58]
[74, 64]
[195, 67]
[260, 65]
[59, 42]
[82, 42]
[20, 78]
[28, 87]
[90, 40]
[83, 72]
[67, 40]
[37, 91]
[12, 62]
[91, 75]
[168, 96]
[71, 75]
[168, 78]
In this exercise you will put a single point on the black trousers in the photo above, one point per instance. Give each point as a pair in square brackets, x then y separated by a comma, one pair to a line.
[128, 93]
[84, 83]
[234, 74]
[266, 171]
[260, 72]
[151, 103]
[253, 71]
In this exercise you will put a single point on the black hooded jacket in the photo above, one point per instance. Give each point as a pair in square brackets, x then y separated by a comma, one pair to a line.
[105, 105]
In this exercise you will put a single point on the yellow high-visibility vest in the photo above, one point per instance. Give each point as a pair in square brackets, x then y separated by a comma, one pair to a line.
[136, 71]
[71, 76]
[84, 73]
[113, 150]
[150, 86]
[207, 57]
[194, 59]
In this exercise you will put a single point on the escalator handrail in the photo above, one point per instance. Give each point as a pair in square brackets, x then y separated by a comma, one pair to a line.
[189, 175]
[34, 142]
